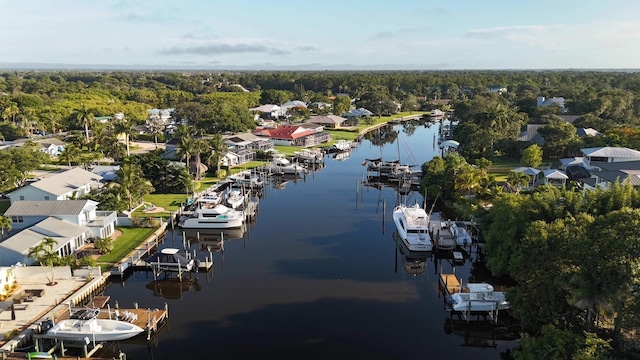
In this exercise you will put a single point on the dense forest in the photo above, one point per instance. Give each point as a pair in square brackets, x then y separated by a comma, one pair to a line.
[574, 257]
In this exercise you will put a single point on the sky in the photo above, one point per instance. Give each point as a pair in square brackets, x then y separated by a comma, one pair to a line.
[322, 35]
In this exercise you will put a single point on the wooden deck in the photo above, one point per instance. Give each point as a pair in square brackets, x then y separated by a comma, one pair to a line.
[449, 284]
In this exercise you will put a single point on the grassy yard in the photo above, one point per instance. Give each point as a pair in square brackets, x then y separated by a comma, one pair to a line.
[125, 243]
[170, 202]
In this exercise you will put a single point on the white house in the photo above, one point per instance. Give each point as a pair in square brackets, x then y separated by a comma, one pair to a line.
[271, 110]
[558, 101]
[69, 237]
[594, 157]
[24, 214]
[71, 184]
[52, 146]
[554, 177]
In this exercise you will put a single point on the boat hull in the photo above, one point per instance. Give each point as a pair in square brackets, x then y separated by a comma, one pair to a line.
[193, 223]
[414, 236]
[94, 330]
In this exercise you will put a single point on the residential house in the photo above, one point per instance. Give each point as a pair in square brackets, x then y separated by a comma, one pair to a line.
[108, 172]
[358, 113]
[162, 114]
[330, 121]
[286, 135]
[70, 184]
[594, 158]
[171, 149]
[68, 237]
[531, 134]
[554, 177]
[557, 101]
[532, 172]
[497, 89]
[52, 146]
[269, 111]
[24, 214]
[583, 132]
[293, 104]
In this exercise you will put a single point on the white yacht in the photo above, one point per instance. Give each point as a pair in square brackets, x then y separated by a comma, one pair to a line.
[478, 297]
[311, 156]
[247, 179]
[413, 227]
[211, 198]
[280, 165]
[218, 217]
[94, 329]
[235, 198]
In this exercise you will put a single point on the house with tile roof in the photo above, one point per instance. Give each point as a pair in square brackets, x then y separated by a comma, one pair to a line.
[71, 184]
[24, 214]
[286, 135]
[68, 237]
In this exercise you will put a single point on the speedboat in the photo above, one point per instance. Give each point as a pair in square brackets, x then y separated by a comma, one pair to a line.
[235, 198]
[170, 259]
[478, 297]
[94, 329]
[459, 231]
[218, 217]
[280, 165]
[212, 198]
[413, 227]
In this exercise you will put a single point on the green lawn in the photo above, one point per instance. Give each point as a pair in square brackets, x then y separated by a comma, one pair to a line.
[125, 243]
[170, 202]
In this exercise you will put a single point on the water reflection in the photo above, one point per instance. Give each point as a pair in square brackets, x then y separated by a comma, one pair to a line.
[173, 287]
[413, 263]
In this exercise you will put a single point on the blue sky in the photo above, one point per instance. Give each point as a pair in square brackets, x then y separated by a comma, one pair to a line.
[330, 34]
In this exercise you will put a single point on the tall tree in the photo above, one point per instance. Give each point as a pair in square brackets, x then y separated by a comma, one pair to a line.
[84, 116]
[532, 156]
[132, 184]
[5, 224]
[44, 254]
[218, 148]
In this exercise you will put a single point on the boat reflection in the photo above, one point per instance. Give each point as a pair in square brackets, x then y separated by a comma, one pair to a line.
[414, 263]
[212, 240]
[342, 156]
[483, 333]
[173, 287]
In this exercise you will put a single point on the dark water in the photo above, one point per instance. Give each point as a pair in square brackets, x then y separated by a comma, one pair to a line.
[317, 276]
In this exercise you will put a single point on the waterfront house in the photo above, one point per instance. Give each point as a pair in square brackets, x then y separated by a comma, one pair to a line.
[52, 146]
[70, 184]
[269, 111]
[69, 237]
[286, 135]
[79, 212]
[330, 121]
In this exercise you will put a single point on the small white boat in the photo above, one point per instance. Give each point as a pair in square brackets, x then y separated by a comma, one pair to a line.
[218, 217]
[311, 156]
[342, 145]
[94, 329]
[413, 227]
[247, 179]
[235, 198]
[170, 259]
[436, 113]
[210, 198]
[280, 165]
[478, 297]
[460, 233]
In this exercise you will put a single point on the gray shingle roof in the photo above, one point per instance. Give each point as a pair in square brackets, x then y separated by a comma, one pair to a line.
[67, 181]
[48, 208]
[612, 152]
[59, 230]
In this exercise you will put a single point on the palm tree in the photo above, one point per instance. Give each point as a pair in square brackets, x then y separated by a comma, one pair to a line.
[85, 117]
[200, 146]
[518, 179]
[132, 183]
[71, 153]
[156, 127]
[10, 112]
[123, 126]
[5, 224]
[43, 253]
[217, 149]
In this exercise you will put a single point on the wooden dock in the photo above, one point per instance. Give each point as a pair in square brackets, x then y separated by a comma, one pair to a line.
[449, 284]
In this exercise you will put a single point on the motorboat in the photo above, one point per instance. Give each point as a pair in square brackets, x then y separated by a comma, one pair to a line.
[211, 198]
[94, 329]
[170, 259]
[460, 233]
[218, 217]
[310, 156]
[478, 297]
[342, 145]
[412, 223]
[280, 165]
[443, 239]
[247, 179]
[235, 198]
[436, 113]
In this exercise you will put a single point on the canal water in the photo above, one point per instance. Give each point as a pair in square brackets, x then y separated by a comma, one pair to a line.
[318, 275]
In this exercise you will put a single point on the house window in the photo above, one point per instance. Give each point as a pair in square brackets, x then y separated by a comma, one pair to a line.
[21, 197]
[17, 219]
[46, 198]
